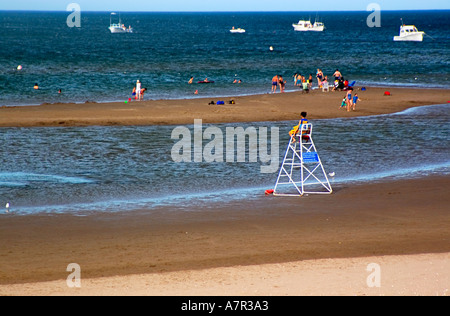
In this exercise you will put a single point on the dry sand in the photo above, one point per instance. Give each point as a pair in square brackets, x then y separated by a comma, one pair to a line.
[409, 275]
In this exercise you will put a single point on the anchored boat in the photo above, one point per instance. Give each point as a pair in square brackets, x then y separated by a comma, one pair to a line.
[238, 30]
[409, 33]
[307, 26]
[118, 27]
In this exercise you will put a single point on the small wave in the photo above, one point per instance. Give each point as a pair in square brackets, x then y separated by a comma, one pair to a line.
[18, 179]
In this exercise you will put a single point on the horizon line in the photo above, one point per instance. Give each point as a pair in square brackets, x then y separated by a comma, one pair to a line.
[220, 11]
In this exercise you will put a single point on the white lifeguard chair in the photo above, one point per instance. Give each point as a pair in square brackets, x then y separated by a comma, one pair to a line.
[302, 171]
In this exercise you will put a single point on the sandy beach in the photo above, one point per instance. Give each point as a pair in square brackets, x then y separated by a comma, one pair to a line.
[257, 108]
[315, 245]
[400, 219]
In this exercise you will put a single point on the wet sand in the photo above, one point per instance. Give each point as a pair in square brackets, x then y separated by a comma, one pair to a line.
[257, 108]
[398, 218]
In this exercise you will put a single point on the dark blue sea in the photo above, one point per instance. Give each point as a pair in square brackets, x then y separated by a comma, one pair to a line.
[110, 169]
[166, 49]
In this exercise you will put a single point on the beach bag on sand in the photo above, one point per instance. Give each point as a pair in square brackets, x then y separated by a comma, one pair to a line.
[387, 93]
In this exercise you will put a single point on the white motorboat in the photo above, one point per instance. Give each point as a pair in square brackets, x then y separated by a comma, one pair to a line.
[118, 27]
[409, 33]
[307, 26]
[238, 30]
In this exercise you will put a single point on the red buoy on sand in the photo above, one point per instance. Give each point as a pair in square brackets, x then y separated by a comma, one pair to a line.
[270, 192]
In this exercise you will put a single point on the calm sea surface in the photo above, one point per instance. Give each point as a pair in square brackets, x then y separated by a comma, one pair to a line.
[91, 64]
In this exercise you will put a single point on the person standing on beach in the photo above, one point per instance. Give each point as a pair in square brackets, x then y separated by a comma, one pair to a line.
[319, 77]
[349, 100]
[295, 79]
[282, 83]
[274, 84]
[138, 90]
[337, 75]
[310, 81]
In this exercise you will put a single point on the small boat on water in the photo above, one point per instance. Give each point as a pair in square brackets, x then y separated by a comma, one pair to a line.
[118, 27]
[238, 30]
[409, 33]
[307, 26]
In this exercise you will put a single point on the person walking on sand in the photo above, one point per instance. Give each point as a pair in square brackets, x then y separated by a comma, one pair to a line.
[138, 90]
[355, 100]
[274, 84]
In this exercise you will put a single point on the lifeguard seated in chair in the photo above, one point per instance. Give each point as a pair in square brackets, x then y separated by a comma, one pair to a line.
[296, 129]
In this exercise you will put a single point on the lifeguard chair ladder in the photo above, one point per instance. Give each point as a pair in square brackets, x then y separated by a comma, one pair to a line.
[302, 171]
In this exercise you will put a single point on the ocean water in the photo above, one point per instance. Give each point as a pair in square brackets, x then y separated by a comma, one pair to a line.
[110, 169]
[90, 64]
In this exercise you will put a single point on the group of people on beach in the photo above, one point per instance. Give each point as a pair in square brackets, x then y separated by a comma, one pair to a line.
[339, 81]
[299, 80]
[138, 92]
[350, 101]
[278, 81]
[306, 82]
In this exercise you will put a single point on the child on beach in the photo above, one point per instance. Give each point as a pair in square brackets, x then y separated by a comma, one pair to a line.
[142, 94]
[344, 103]
[355, 100]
